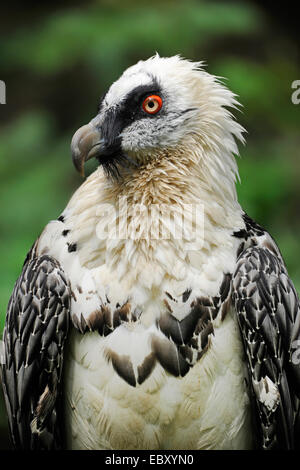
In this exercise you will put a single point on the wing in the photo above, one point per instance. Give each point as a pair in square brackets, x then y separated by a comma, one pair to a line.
[268, 312]
[35, 330]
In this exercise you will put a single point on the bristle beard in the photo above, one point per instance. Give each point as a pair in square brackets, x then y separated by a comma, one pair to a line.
[115, 167]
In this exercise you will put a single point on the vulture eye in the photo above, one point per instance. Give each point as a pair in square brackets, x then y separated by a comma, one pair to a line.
[152, 104]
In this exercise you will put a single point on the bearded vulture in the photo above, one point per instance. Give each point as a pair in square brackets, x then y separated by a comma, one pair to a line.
[154, 313]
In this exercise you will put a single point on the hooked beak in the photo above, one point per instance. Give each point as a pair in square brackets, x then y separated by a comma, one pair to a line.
[86, 144]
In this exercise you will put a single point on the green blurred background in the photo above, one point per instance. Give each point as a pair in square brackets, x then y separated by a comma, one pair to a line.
[57, 58]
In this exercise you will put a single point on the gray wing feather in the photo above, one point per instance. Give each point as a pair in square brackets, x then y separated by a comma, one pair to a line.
[36, 327]
[268, 312]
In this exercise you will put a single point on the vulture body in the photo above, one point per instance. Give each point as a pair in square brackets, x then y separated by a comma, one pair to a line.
[154, 313]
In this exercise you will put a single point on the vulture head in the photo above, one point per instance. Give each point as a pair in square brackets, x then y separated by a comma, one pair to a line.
[162, 109]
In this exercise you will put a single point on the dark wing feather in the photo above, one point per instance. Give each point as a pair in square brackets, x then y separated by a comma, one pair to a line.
[35, 331]
[268, 312]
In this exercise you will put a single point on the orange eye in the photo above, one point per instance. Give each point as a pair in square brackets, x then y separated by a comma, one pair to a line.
[152, 104]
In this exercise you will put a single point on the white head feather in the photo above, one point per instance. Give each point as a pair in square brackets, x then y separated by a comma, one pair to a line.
[195, 117]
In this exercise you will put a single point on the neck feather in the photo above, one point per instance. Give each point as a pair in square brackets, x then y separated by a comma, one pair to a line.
[174, 182]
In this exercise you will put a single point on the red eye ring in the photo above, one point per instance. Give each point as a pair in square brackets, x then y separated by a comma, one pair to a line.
[152, 104]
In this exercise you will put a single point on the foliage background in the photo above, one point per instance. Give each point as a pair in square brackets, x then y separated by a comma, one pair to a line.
[57, 58]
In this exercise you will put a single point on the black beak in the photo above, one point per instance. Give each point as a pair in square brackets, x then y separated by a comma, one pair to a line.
[101, 141]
